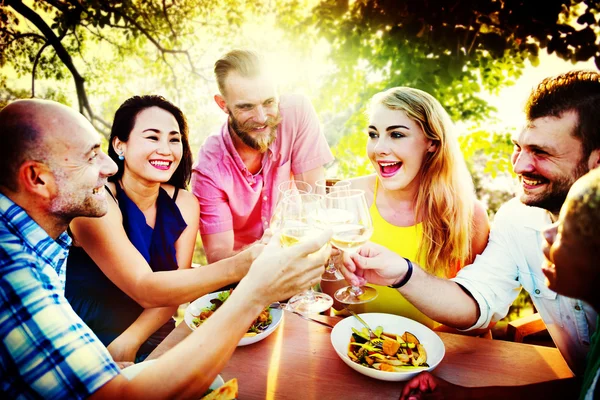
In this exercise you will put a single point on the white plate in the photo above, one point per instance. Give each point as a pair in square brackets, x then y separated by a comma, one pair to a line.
[132, 371]
[204, 302]
[340, 338]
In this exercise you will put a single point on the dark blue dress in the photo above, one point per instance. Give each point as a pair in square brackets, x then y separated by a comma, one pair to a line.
[106, 309]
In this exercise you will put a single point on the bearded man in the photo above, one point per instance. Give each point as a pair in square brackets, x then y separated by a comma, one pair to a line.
[266, 140]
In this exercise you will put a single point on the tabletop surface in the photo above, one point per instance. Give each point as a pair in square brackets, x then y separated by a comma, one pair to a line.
[298, 361]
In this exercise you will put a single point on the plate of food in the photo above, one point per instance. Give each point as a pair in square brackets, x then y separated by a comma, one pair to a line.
[399, 349]
[132, 371]
[201, 309]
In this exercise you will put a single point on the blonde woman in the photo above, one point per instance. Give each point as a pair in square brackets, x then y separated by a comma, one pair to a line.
[421, 197]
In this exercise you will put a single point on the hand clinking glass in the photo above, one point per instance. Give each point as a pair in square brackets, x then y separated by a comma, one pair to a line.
[300, 219]
[323, 187]
[349, 234]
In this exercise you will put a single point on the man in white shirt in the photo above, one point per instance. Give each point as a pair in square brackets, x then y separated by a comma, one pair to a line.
[560, 143]
[571, 269]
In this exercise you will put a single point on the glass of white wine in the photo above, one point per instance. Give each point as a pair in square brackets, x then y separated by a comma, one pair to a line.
[333, 217]
[285, 189]
[349, 234]
[300, 220]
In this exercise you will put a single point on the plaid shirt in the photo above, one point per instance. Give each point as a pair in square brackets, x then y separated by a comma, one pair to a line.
[46, 351]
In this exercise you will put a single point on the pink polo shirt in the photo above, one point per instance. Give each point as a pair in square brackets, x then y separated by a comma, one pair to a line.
[230, 197]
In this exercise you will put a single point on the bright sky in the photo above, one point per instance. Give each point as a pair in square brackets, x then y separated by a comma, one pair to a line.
[511, 100]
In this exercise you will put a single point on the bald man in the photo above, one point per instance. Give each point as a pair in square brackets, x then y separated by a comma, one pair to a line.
[53, 170]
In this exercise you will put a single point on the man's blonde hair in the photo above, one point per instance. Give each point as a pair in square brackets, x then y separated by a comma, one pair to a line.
[247, 63]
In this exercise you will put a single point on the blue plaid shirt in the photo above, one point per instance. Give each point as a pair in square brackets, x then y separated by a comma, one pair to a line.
[46, 351]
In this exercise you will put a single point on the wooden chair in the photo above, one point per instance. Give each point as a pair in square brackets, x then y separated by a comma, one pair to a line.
[518, 329]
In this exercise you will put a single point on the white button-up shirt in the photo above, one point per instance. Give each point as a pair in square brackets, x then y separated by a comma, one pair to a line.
[513, 259]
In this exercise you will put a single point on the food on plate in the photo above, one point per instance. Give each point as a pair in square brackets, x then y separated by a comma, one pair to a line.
[387, 351]
[258, 326]
[228, 391]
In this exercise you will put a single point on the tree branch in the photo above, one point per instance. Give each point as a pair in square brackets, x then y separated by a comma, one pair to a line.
[79, 49]
[35, 63]
[175, 85]
[166, 14]
[158, 45]
[61, 52]
[24, 35]
[101, 37]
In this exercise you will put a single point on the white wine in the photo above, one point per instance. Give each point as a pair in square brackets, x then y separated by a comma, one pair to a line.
[288, 240]
[349, 237]
[337, 216]
[331, 217]
[293, 232]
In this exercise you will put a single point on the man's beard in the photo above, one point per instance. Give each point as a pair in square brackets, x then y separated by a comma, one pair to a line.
[553, 199]
[260, 143]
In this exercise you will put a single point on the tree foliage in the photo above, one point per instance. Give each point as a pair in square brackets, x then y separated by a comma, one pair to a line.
[488, 157]
[105, 44]
[451, 49]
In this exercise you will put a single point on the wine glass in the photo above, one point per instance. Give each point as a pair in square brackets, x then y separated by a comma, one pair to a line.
[352, 229]
[301, 219]
[285, 189]
[325, 186]
[335, 217]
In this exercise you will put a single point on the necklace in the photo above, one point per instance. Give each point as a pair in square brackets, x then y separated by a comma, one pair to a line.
[260, 170]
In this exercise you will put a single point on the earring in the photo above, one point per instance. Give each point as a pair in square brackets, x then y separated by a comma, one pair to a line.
[121, 156]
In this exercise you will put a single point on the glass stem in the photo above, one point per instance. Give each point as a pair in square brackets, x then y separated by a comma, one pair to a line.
[331, 266]
[356, 291]
[310, 295]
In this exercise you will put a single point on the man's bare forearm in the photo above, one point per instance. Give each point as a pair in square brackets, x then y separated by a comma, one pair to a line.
[441, 299]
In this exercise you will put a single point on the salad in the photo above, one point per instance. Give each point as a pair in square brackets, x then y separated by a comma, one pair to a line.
[387, 351]
[259, 325]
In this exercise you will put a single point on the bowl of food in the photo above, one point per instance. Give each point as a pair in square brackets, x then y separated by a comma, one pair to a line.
[201, 309]
[132, 371]
[399, 349]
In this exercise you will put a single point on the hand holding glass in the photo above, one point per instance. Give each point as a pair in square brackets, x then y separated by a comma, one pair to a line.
[324, 187]
[352, 227]
[301, 214]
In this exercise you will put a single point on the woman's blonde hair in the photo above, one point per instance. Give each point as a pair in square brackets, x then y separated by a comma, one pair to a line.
[445, 198]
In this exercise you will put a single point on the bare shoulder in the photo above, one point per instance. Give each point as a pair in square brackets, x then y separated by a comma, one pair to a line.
[186, 198]
[186, 201]
[481, 229]
[188, 204]
[480, 216]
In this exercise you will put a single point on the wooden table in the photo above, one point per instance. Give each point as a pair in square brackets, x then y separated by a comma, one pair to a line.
[298, 362]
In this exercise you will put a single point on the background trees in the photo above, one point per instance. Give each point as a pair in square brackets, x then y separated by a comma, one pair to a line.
[455, 50]
[95, 53]
[451, 49]
[111, 49]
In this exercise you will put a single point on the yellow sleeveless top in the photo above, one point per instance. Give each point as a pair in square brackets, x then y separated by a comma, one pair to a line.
[405, 241]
